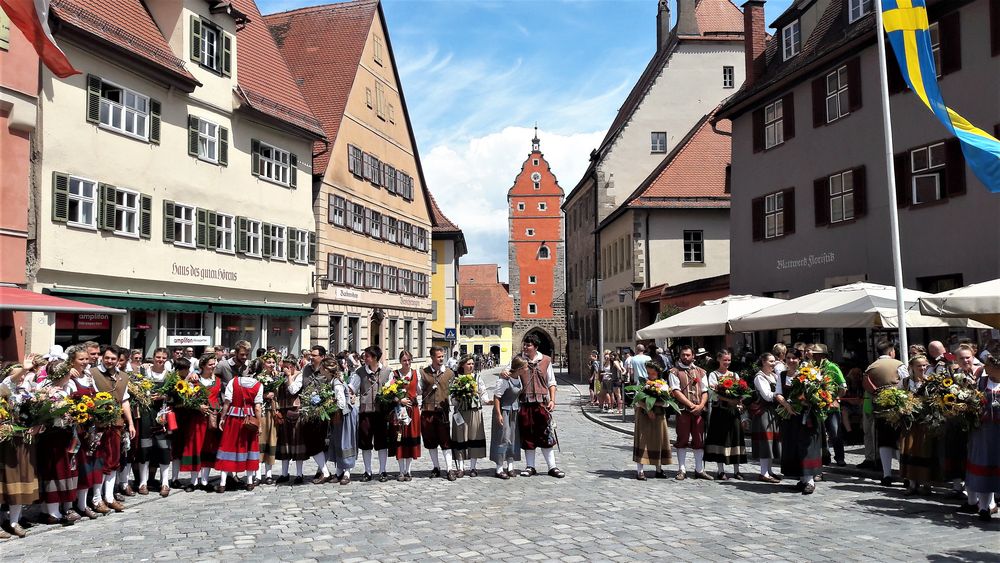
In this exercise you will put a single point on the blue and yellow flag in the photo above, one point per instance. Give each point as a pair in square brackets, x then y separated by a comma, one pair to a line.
[906, 25]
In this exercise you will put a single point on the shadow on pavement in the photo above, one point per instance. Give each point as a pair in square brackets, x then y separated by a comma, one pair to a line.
[964, 556]
[938, 514]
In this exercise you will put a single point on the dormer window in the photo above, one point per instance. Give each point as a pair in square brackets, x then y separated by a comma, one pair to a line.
[211, 47]
[467, 311]
[859, 9]
[791, 40]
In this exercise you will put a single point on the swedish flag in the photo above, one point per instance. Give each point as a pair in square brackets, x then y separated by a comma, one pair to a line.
[907, 27]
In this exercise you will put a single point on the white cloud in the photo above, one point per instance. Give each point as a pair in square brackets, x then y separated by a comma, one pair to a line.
[470, 180]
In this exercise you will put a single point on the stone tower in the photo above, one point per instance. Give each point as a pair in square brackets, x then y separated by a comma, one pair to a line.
[536, 254]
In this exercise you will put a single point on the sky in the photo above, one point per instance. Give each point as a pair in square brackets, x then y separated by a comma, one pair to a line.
[478, 75]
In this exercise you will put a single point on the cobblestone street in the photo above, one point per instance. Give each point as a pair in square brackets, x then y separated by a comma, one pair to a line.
[598, 512]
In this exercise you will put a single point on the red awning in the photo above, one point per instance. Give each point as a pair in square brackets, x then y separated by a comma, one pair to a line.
[17, 299]
[651, 294]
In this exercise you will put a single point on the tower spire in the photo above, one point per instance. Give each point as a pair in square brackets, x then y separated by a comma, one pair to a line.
[534, 141]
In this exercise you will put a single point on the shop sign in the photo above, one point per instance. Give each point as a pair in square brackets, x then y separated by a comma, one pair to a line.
[210, 273]
[189, 340]
[93, 321]
[807, 261]
[347, 294]
[140, 326]
[412, 302]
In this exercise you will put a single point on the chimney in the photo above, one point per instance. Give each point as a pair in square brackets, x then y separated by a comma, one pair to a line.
[687, 22]
[662, 24]
[754, 38]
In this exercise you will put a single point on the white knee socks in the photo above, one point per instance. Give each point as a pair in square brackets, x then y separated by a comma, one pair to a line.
[886, 455]
[406, 466]
[367, 455]
[638, 468]
[472, 464]
[222, 478]
[320, 460]
[205, 472]
[166, 474]
[96, 493]
[15, 513]
[284, 467]
[383, 459]
[299, 465]
[682, 455]
[985, 502]
[699, 461]
[143, 473]
[434, 458]
[720, 467]
[401, 463]
[81, 500]
[52, 508]
[550, 457]
[529, 458]
[765, 466]
[109, 487]
[123, 475]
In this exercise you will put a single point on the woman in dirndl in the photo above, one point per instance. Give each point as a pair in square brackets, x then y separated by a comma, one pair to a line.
[801, 435]
[154, 439]
[212, 436]
[982, 470]
[343, 434]
[724, 440]
[90, 468]
[268, 364]
[468, 440]
[404, 439]
[764, 421]
[239, 449]
[192, 426]
[58, 473]
[651, 441]
[919, 463]
[505, 438]
[18, 477]
[291, 437]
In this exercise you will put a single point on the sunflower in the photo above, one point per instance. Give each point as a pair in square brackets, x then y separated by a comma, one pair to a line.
[947, 382]
[82, 417]
[82, 407]
[103, 396]
[950, 399]
[180, 386]
[109, 408]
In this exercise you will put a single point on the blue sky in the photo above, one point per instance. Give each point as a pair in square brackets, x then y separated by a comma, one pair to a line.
[479, 74]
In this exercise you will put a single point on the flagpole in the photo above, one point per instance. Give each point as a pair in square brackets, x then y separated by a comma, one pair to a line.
[897, 261]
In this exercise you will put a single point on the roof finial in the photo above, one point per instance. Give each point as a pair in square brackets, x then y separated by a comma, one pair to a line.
[534, 140]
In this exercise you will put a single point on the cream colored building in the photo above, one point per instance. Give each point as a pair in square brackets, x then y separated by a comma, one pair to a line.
[372, 206]
[174, 180]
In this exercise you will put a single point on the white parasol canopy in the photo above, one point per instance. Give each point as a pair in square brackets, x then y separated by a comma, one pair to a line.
[979, 301]
[858, 305]
[711, 318]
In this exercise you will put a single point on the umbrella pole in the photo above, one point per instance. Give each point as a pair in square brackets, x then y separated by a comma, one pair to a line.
[897, 263]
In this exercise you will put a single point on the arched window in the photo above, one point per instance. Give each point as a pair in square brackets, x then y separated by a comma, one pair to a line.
[543, 253]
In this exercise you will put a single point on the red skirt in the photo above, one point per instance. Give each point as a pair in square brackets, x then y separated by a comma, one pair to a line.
[239, 449]
[210, 447]
[57, 469]
[110, 451]
[193, 440]
[90, 466]
[406, 443]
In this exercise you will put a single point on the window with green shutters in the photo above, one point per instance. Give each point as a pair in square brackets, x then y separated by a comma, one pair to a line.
[81, 202]
[123, 110]
[211, 47]
[208, 141]
[273, 164]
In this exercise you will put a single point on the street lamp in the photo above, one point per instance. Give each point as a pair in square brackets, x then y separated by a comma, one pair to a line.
[324, 282]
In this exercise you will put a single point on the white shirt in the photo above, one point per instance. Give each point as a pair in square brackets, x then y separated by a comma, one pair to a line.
[550, 375]
[675, 383]
[340, 392]
[763, 384]
[246, 383]
[294, 386]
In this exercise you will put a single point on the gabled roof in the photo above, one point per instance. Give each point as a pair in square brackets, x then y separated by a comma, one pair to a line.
[443, 228]
[126, 26]
[263, 78]
[719, 18]
[481, 289]
[478, 273]
[322, 46]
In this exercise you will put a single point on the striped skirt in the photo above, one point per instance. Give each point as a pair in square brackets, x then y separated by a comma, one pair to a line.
[918, 456]
[56, 464]
[982, 470]
[801, 455]
[18, 479]
[468, 441]
[154, 442]
[292, 434]
[766, 438]
[239, 449]
[268, 438]
[651, 441]
[343, 439]
[724, 441]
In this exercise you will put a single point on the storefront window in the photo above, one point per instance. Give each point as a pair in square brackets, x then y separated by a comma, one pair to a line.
[237, 327]
[408, 336]
[336, 333]
[283, 334]
[73, 328]
[143, 330]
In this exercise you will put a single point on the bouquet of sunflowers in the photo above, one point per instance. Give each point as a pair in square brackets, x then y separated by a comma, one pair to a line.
[318, 402]
[898, 407]
[654, 393]
[183, 394]
[948, 398]
[140, 390]
[464, 389]
[106, 409]
[811, 393]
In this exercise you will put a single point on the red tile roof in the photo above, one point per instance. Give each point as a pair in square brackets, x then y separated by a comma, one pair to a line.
[263, 78]
[719, 17]
[481, 289]
[442, 224]
[322, 46]
[125, 24]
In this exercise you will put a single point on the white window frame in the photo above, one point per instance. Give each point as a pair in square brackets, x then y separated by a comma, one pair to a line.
[336, 269]
[254, 237]
[532, 309]
[211, 41]
[391, 233]
[927, 169]
[841, 190]
[279, 238]
[520, 206]
[532, 279]
[934, 32]
[208, 141]
[544, 250]
[542, 206]
[859, 9]
[225, 233]
[301, 243]
[276, 166]
[791, 40]
[184, 223]
[357, 217]
[82, 201]
[657, 142]
[694, 247]
[339, 211]
[774, 215]
[123, 211]
[728, 77]
[137, 112]
[774, 124]
[838, 101]
[534, 162]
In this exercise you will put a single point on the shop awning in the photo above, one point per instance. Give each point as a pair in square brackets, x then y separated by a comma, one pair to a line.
[180, 305]
[17, 299]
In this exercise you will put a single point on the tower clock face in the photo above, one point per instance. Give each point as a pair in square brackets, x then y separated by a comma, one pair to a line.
[536, 177]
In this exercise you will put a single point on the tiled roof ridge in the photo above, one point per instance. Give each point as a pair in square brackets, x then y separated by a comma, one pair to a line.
[444, 224]
[100, 23]
[333, 6]
[262, 99]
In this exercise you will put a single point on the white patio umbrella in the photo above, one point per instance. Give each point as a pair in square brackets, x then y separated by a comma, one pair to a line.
[858, 305]
[978, 301]
[711, 318]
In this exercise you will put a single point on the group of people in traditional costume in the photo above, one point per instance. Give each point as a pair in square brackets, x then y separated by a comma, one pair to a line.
[797, 443]
[247, 425]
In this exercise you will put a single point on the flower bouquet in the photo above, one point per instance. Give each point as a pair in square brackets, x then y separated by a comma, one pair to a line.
[397, 387]
[183, 394]
[898, 407]
[271, 381]
[106, 410]
[465, 391]
[732, 386]
[319, 403]
[811, 393]
[654, 393]
[140, 390]
[950, 398]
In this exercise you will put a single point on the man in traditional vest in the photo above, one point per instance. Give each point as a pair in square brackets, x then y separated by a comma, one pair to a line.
[883, 373]
[538, 400]
[373, 432]
[689, 386]
[108, 379]
[433, 396]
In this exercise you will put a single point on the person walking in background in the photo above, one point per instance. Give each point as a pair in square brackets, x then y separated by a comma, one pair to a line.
[635, 367]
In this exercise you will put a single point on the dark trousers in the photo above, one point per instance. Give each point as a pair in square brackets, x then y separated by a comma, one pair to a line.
[834, 437]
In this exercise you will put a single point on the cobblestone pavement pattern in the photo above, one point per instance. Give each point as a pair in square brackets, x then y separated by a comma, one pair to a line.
[599, 512]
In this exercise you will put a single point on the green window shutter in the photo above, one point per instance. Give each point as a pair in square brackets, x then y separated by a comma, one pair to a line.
[265, 240]
[312, 248]
[193, 136]
[168, 221]
[154, 121]
[223, 146]
[196, 39]
[241, 235]
[255, 157]
[201, 235]
[292, 235]
[93, 98]
[293, 172]
[227, 54]
[145, 216]
[60, 197]
[106, 212]
[213, 220]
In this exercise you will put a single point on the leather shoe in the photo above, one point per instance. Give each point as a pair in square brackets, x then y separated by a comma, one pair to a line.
[89, 513]
[556, 472]
[886, 481]
[436, 472]
[473, 473]
[967, 508]
[738, 476]
[809, 489]
[189, 488]
[366, 477]
[984, 515]
[769, 479]
[220, 489]
[101, 508]
[640, 476]
[299, 480]
[127, 491]
[143, 490]
[18, 531]
[383, 477]
[704, 476]
[164, 491]
[681, 475]
[282, 479]
[502, 475]
[117, 506]
[451, 475]
[660, 475]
